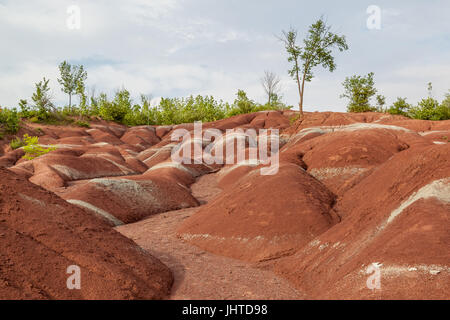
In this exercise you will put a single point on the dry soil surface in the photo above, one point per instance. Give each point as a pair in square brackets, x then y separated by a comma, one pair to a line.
[199, 274]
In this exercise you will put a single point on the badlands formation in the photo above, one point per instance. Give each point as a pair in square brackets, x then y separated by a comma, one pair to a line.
[352, 190]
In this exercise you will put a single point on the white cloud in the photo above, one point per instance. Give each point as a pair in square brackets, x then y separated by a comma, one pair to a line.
[178, 47]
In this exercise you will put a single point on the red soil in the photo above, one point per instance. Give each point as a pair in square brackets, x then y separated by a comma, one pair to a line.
[245, 223]
[351, 190]
[417, 238]
[42, 235]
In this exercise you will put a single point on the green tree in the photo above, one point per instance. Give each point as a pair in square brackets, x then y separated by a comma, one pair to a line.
[381, 101]
[426, 109]
[147, 113]
[9, 121]
[317, 50]
[81, 92]
[430, 89]
[168, 111]
[72, 79]
[94, 109]
[117, 109]
[430, 109]
[446, 102]
[400, 107]
[359, 90]
[42, 99]
[25, 110]
[445, 107]
[242, 104]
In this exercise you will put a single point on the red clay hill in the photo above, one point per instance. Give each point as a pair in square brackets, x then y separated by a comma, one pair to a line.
[352, 191]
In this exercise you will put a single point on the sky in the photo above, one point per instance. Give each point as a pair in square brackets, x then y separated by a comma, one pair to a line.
[175, 48]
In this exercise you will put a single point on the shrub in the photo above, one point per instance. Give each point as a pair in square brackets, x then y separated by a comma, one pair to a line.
[444, 108]
[430, 109]
[42, 99]
[33, 149]
[82, 124]
[202, 109]
[177, 110]
[117, 109]
[16, 143]
[25, 109]
[242, 104]
[399, 107]
[143, 114]
[293, 119]
[276, 103]
[381, 101]
[359, 90]
[9, 121]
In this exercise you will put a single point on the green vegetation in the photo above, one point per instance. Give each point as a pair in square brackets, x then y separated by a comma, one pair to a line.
[430, 109]
[121, 108]
[33, 149]
[359, 90]
[427, 108]
[118, 109]
[293, 119]
[381, 101]
[399, 107]
[9, 121]
[17, 143]
[316, 51]
[82, 124]
[42, 100]
[72, 81]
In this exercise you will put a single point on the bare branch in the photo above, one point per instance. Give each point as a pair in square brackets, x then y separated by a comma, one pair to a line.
[271, 84]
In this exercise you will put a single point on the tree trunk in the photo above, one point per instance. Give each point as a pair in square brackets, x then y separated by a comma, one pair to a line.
[301, 95]
[300, 92]
[70, 102]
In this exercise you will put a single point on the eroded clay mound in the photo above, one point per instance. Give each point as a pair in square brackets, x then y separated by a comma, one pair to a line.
[352, 190]
[131, 198]
[42, 235]
[339, 157]
[54, 169]
[248, 222]
[143, 137]
[397, 217]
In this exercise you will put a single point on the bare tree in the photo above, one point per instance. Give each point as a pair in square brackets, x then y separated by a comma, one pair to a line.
[271, 84]
[92, 93]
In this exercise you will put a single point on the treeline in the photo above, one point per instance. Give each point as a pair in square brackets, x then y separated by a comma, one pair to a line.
[360, 91]
[121, 108]
[169, 110]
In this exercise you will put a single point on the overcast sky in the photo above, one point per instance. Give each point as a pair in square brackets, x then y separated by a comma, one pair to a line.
[174, 48]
